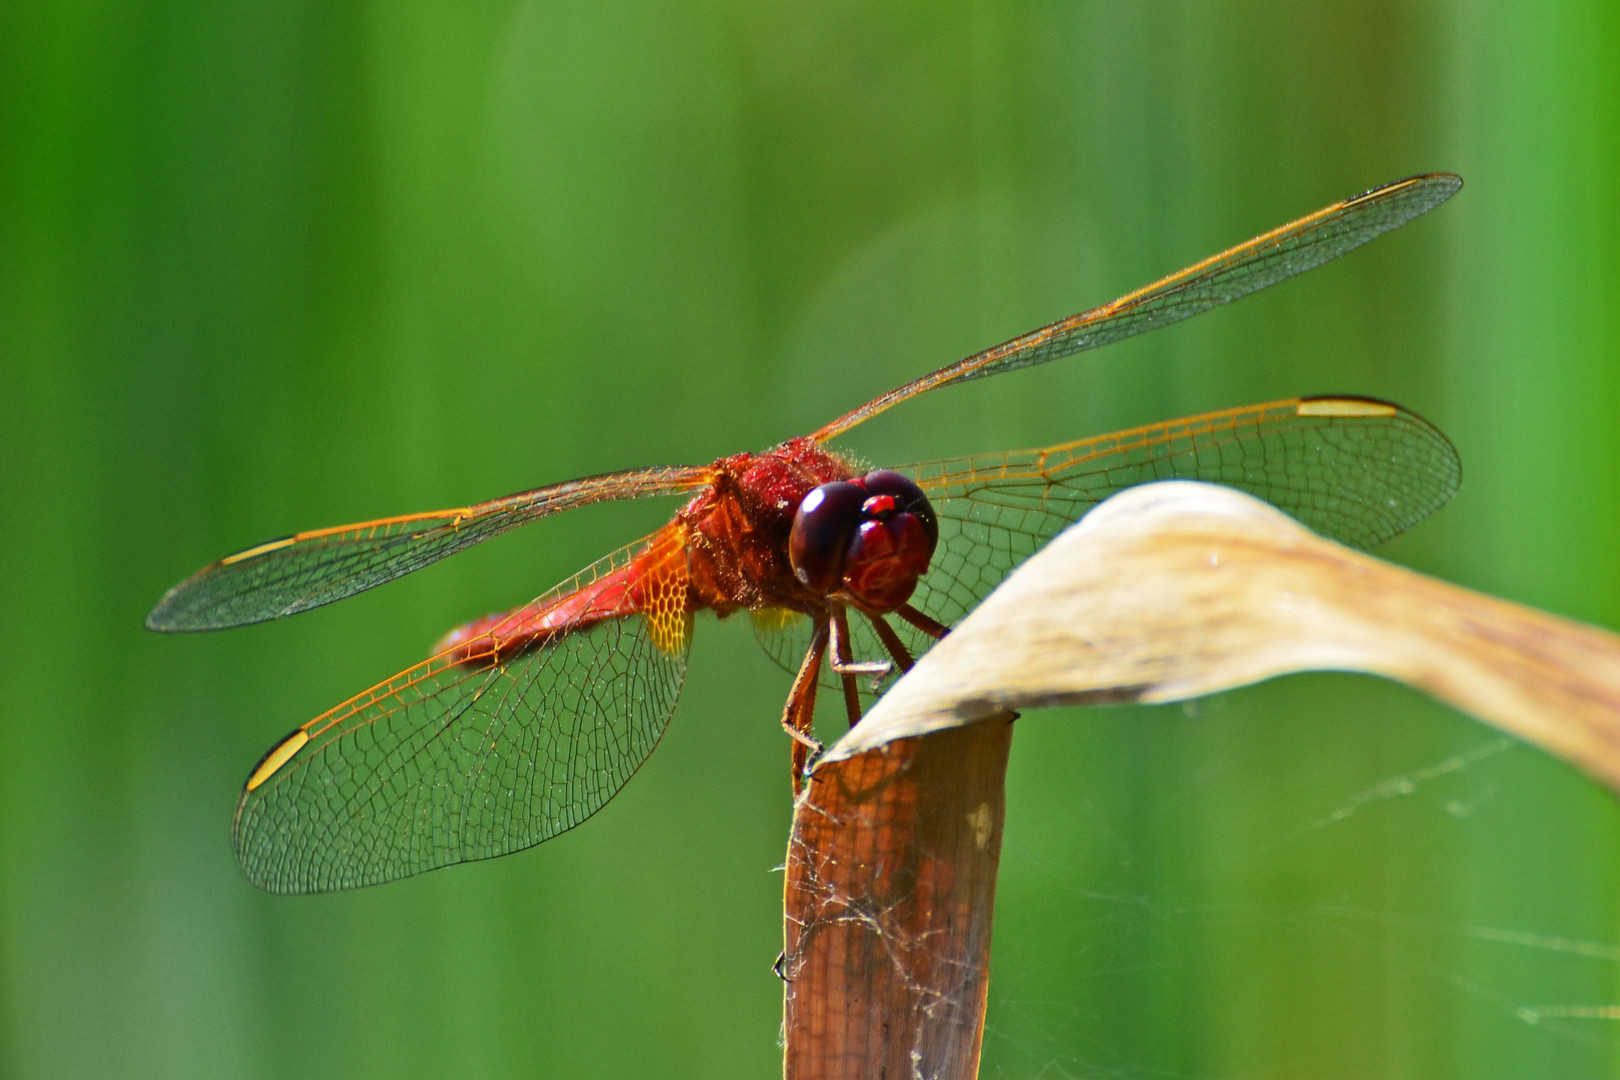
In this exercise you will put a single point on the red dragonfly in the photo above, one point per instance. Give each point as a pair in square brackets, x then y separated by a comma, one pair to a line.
[522, 725]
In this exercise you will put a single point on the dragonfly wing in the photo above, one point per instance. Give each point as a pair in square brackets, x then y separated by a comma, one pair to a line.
[1353, 469]
[296, 573]
[998, 509]
[450, 762]
[1356, 470]
[1265, 260]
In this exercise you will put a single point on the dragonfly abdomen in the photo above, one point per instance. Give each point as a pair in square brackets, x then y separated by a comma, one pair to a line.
[501, 637]
[653, 585]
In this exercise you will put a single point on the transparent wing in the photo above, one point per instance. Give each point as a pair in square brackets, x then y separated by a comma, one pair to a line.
[473, 754]
[1267, 259]
[296, 573]
[1354, 469]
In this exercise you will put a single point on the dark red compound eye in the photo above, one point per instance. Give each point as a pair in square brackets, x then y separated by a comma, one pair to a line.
[871, 537]
[885, 560]
[821, 530]
[908, 499]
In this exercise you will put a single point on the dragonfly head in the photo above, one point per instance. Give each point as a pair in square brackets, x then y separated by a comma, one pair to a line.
[871, 536]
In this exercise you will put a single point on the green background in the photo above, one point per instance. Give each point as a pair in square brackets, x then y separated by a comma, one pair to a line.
[275, 266]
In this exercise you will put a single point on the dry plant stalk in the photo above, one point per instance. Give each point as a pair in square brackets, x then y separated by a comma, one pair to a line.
[1167, 591]
[891, 904]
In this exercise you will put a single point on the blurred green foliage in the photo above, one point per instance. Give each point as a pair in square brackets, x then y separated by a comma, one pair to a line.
[265, 267]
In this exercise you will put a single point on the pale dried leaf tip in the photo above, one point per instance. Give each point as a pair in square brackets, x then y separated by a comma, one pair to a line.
[1174, 590]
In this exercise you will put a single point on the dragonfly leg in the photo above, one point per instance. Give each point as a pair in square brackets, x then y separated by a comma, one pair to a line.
[799, 717]
[891, 641]
[841, 652]
[844, 664]
[933, 629]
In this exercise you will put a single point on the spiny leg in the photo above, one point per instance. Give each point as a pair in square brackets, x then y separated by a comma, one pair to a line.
[891, 641]
[845, 665]
[934, 629]
[799, 716]
[842, 652]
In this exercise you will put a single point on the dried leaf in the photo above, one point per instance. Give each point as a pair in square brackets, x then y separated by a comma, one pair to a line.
[1174, 590]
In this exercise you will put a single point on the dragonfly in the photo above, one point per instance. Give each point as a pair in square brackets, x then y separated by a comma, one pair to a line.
[521, 725]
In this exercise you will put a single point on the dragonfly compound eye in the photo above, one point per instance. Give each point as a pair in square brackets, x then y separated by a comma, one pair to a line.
[885, 558]
[891, 543]
[908, 499]
[822, 528]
